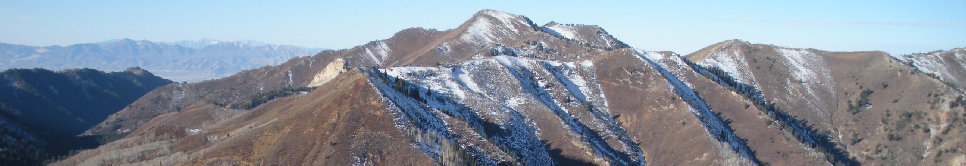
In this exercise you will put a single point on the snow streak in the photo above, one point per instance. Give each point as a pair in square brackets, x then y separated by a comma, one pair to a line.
[486, 93]
[714, 124]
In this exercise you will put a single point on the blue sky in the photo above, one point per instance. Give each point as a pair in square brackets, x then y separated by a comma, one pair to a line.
[898, 27]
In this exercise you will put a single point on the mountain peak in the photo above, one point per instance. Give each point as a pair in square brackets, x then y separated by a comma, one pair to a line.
[707, 52]
[503, 18]
[733, 42]
[492, 26]
[136, 71]
[495, 14]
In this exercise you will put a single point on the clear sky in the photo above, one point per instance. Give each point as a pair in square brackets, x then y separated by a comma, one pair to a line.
[898, 27]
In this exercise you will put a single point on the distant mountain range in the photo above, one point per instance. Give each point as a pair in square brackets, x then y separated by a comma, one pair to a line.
[42, 111]
[190, 61]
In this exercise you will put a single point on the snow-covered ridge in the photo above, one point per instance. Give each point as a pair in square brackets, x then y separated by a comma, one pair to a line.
[730, 60]
[588, 35]
[414, 118]
[715, 126]
[807, 135]
[931, 63]
[506, 91]
[671, 62]
[809, 76]
[420, 86]
[566, 73]
[534, 82]
[935, 63]
[433, 78]
[568, 32]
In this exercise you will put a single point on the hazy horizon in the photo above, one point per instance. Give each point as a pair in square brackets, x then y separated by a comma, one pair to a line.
[897, 27]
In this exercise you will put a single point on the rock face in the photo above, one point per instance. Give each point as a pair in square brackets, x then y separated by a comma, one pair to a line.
[41, 111]
[500, 89]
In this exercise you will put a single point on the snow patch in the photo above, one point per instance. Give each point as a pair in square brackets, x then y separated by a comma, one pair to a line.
[568, 32]
[587, 64]
[931, 64]
[513, 61]
[714, 125]
[651, 54]
[379, 52]
[290, 81]
[568, 76]
[191, 131]
[808, 69]
[505, 18]
[486, 31]
[480, 30]
[443, 48]
[731, 61]
[671, 62]
[803, 63]
[608, 40]
[467, 80]
[433, 78]
[515, 101]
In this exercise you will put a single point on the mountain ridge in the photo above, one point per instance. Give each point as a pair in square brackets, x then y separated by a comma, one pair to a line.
[517, 93]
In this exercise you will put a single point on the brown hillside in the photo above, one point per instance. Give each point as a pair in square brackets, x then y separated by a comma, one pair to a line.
[328, 126]
[500, 90]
